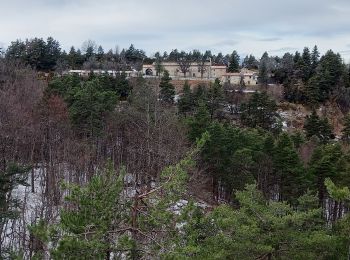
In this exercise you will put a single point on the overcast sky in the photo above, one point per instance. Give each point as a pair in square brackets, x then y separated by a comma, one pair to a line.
[253, 26]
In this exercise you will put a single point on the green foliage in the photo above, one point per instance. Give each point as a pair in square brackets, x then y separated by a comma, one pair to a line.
[122, 86]
[230, 154]
[167, 90]
[319, 127]
[346, 129]
[263, 72]
[13, 176]
[250, 62]
[215, 97]
[298, 139]
[260, 111]
[37, 53]
[289, 169]
[88, 101]
[328, 76]
[88, 226]
[198, 123]
[89, 107]
[329, 161]
[186, 102]
[234, 62]
[259, 229]
[337, 193]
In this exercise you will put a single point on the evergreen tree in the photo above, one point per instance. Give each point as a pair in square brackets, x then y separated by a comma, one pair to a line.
[289, 170]
[158, 64]
[312, 92]
[215, 97]
[186, 102]
[259, 229]
[13, 176]
[315, 55]
[263, 72]
[200, 94]
[89, 47]
[346, 129]
[319, 127]
[306, 64]
[100, 53]
[234, 62]
[167, 90]
[16, 51]
[329, 75]
[260, 111]
[250, 62]
[328, 161]
[89, 228]
[199, 122]
[52, 54]
[122, 86]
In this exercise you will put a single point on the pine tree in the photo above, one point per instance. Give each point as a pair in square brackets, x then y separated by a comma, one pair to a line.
[346, 129]
[89, 105]
[289, 170]
[199, 122]
[263, 72]
[306, 64]
[215, 97]
[186, 102]
[315, 55]
[319, 127]
[259, 229]
[327, 161]
[13, 176]
[167, 90]
[100, 53]
[260, 111]
[234, 62]
[122, 86]
[89, 228]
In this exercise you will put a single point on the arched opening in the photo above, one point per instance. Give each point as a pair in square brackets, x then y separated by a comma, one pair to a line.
[149, 72]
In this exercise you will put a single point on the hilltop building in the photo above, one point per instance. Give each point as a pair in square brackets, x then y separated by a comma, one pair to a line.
[210, 72]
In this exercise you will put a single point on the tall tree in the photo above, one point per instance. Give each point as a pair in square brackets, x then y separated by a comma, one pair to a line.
[315, 55]
[259, 229]
[167, 90]
[319, 127]
[263, 69]
[234, 62]
[306, 64]
[158, 64]
[215, 97]
[250, 62]
[346, 129]
[186, 102]
[16, 51]
[292, 180]
[100, 53]
[89, 48]
[260, 111]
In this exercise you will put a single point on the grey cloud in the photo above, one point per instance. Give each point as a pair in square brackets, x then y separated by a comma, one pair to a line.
[271, 39]
[225, 43]
[284, 49]
[164, 25]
